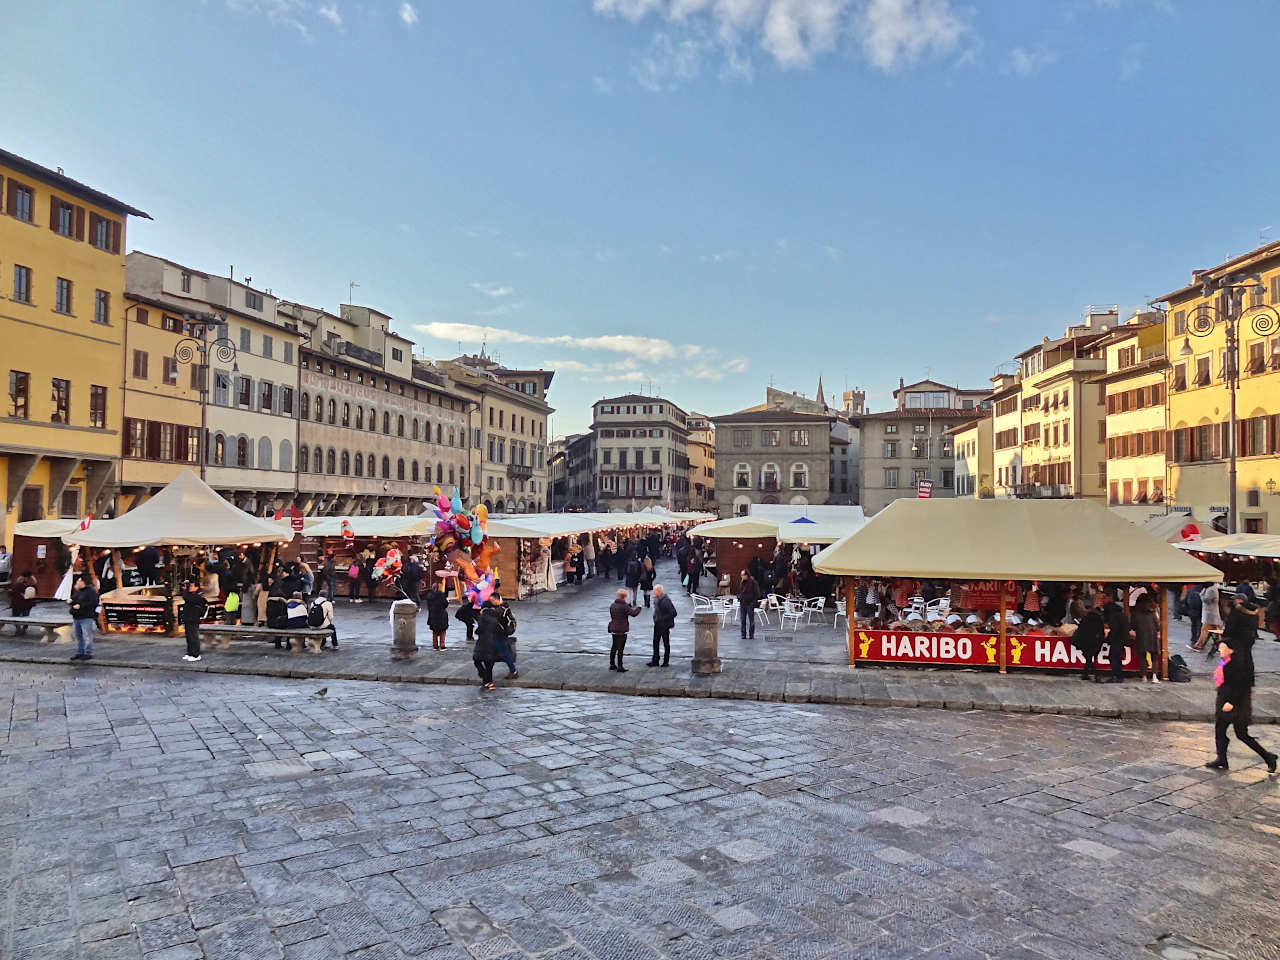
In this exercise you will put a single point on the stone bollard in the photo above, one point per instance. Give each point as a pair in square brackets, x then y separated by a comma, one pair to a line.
[404, 630]
[706, 644]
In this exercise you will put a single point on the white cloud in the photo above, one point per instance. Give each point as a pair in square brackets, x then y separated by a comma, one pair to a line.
[720, 256]
[834, 254]
[330, 12]
[602, 85]
[1028, 61]
[289, 13]
[897, 33]
[793, 33]
[408, 14]
[493, 289]
[648, 348]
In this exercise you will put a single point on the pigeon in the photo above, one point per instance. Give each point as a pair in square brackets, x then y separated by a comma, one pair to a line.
[321, 692]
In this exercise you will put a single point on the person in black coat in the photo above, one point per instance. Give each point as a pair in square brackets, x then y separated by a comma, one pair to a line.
[620, 613]
[147, 560]
[84, 611]
[489, 631]
[411, 582]
[664, 618]
[1118, 630]
[437, 614]
[1234, 702]
[647, 577]
[194, 608]
[1088, 640]
[634, 572]
[468, 615]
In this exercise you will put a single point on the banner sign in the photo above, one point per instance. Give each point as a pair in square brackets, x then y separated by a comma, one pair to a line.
[135, 617]
[974, 650]
[985, 595]
[925, 490]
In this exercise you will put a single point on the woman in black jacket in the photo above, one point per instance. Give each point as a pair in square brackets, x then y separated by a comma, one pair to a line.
[647, 576]
[489, 631]
[1234, 707]
[437, 613]
[620, 613]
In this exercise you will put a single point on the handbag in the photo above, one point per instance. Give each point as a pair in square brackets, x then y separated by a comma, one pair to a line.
[353, 571]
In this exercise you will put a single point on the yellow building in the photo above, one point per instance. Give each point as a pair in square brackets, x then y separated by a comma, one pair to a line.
[1134, 387]
[1199, 438]
[974, 455]
[62, 326]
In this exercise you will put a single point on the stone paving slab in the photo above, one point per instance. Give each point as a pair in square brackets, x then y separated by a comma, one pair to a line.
[160, 814]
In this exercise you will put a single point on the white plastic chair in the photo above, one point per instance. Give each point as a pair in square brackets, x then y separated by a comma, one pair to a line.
[794, 612]
[762, 611]
[703, 604]
[914, 605]
[726, 607]
[815, 605]
[840, 612]
[937, 609]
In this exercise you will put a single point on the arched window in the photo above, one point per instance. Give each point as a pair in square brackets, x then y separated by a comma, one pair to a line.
[415, 471]
[319, 408]
[304, 409]
[359, 465]
[345, 468]
[439, 431]
[741, 506]
[330, 462]
[386, 422]
[451, 475]
[373, 419]
[400, 426]
[286, 455]
[769, 478]
[400, 469]
[439, 473]
[386, 468]
[415, 428]
[242, 452]
[333, 410]
[264, 453]
[426, 471]
[346, 414]
[462, 481]
[742, 476]
[799, 476]
[219, 449]
[304, 461]
[371, 465]
[359, 418]
[318, 460]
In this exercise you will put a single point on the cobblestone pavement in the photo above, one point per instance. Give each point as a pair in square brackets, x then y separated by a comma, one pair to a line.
[177, 815]
[562, 647]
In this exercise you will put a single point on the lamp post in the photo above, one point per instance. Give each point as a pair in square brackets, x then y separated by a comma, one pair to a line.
[186, 350]
[1202, 322]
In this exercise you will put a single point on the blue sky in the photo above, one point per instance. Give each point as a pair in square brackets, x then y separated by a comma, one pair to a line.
[702, 194]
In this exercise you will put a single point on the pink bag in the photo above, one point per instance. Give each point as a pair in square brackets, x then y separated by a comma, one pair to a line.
[353, 571]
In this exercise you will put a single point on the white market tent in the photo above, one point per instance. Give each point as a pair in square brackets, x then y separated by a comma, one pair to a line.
[53, 527]
[971, 539]
[539, 525]
[1169, 526]
[731, 528]
[371, 526]
[185, 513]
[820, 531]
[1263, 545]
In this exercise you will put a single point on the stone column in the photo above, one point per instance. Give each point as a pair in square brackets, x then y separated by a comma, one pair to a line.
[706, 644]
[404, 630]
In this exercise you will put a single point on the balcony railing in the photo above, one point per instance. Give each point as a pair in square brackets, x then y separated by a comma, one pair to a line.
[519, 470]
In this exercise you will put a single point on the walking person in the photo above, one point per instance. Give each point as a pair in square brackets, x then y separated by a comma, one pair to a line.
[748, 599]
[633, 572]
[485, 654]
[194, 608]
[1194, 605]
[353, 581]
[1088, 638]
[620, 612]
[1211, 609]
[1273, 607]
[501, 644]
[664, 618]
[647, 576]
[1146, 634]
[589, 551]
[84, 613]
[468, 615]
[1234, 702]
[437, 613]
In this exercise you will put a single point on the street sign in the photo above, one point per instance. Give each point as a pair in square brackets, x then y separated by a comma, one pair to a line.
[295, 519]
[924, 491]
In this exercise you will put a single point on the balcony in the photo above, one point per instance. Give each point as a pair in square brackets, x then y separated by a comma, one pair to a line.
[519, 471]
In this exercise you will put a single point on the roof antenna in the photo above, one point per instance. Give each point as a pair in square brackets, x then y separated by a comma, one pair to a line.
[1262, 234]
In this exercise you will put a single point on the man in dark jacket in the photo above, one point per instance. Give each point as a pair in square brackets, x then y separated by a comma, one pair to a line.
[194, 608]
[1195, 610]
[489, 631]
[664, 618]
[147, 560]
[748, 598]
[412, 579]
[1117, 617]
[1234, 703]
[84, 611]
[507, 620]
[620, 612]
[1088, 640]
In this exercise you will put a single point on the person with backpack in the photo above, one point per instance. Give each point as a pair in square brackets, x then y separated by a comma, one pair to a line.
[437, 613]
[353, 580]
[296, 615]
[1090, 633]
[489, 630]
[193, 611]
[620, 612]
[320, 617]
[507, 620]
[1234, 701]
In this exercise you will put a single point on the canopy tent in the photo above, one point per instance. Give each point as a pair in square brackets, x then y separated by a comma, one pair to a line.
[805, 530]
[53, 527]
[732, 528]
[1262, 545]
[1170, 527]
[185, 513]
[539, 525]
[371, 526]
[848, 514]
[971, 539]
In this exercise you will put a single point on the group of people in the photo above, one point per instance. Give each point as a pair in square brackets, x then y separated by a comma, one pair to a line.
[624, 608]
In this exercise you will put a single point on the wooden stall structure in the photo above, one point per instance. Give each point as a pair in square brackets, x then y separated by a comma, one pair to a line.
[999, 541]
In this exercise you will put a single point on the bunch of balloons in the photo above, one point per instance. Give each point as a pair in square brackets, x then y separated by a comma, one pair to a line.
[461, 539]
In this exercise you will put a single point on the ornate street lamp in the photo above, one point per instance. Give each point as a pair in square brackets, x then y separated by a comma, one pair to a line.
[196, 352]
[1263, 320]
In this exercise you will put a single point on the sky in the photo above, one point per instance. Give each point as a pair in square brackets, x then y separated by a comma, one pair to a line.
[695, 198]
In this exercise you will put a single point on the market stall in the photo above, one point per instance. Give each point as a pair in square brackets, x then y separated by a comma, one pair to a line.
[734, 542]
[1250, 557]
[987, 553]
[186, 516]
[352, 538]
[38, 547]
[1179, 528]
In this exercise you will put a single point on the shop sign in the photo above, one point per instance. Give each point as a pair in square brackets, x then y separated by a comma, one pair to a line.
[976, 650]
[985, 594]
[924, 491]
[135, 617]
[1057, 653]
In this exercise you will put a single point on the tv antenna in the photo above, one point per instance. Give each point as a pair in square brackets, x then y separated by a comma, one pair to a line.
[1262, 234]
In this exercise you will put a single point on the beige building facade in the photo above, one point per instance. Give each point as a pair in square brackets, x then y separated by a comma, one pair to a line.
[641, 453]
[971, 446]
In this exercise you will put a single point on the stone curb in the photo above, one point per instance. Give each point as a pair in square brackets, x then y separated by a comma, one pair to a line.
[697, 687]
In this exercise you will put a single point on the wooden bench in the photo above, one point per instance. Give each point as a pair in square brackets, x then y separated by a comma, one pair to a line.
[49, 625]
[308, 638]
